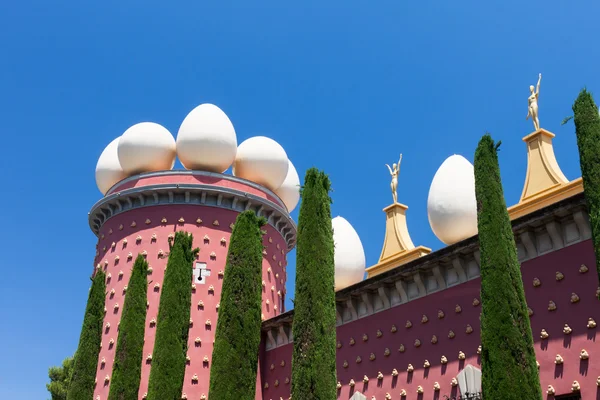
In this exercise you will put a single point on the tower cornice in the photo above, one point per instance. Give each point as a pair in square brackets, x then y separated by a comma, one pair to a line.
[198, 188]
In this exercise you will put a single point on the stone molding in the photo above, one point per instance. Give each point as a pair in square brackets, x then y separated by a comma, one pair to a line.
[179, 172]
[552, 228]
[206, 195]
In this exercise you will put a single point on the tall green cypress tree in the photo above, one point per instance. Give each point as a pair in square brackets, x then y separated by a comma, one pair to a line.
[173, 322]
[313, 362]
[126, 375]
[587, 129]
[86, 357]
[237, 340]
[508, 364]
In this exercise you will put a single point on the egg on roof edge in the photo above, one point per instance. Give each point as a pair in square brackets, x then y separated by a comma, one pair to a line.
[349, 254]
[146, 147]
[289, 191]
[451, 204]
[108, 168]
[261, 160]
[206, 140]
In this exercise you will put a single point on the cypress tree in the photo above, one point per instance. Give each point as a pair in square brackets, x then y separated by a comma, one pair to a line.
[508, 362]
[313, 362]
[86, 357]
[126, 375]
[587, 129]
[173, 320]
[237, 339]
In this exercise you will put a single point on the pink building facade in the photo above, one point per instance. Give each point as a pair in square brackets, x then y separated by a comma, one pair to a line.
[423, 314]
[140, 213]
[426, 314]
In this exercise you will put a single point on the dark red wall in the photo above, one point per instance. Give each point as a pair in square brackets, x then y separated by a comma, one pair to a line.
[567, 260]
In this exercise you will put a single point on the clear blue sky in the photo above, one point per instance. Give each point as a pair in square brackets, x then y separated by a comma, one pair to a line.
[342, 85]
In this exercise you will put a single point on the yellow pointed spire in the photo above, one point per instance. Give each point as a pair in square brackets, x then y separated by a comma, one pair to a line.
[545, 183]
[398, 247]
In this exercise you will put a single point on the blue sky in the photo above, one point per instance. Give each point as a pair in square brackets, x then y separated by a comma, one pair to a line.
[342, 85]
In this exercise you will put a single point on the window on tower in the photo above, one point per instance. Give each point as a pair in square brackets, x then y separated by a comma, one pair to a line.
[200, 273]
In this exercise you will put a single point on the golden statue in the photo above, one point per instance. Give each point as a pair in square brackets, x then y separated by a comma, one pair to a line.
[533, 104]
[395, 171]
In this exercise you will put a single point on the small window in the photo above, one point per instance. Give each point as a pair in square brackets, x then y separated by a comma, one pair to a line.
[200, 273]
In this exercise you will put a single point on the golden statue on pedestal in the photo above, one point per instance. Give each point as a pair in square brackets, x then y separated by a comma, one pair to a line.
[532, 110]
[398, 247]
[395, 171]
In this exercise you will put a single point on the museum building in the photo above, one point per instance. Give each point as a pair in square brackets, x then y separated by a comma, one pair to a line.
[410, 330]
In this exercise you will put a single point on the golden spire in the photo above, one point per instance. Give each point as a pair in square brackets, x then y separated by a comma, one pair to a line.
[398, 247]
[545, 183]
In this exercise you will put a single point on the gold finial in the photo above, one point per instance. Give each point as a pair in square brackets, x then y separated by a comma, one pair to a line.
[545, 183]
[398, 247]
[532, 108]
[395, 171]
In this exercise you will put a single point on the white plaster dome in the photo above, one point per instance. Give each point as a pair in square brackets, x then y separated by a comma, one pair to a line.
[451, 205]
[206, 140]
[108, 168]
[261, 160]
[289, 191]
[349, 254]
[146, 147]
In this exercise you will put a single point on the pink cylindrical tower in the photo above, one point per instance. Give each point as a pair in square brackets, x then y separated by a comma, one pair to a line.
[139, 214]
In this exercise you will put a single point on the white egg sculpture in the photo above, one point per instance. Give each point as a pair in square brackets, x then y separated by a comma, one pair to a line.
[108, 168]
[289, 191]
[349, 254]
[146, 147]
[261, 160]
[206, 140]
[451, 205]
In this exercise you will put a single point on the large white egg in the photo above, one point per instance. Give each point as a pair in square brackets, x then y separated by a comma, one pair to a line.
[348, 253]
[146, 147]
[451, 205]
[289, 191]
[261, 160]
[108, 168]
[206, 140]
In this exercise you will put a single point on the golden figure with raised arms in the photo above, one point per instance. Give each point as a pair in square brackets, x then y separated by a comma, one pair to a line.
[395, 171]
[532, 110]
